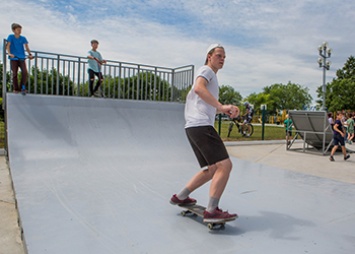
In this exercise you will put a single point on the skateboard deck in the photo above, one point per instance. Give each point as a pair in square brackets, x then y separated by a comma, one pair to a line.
[198, 210]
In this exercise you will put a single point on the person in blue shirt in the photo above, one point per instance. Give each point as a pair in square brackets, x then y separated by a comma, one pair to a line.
[15, 49]
[94, 68]
[338, 137]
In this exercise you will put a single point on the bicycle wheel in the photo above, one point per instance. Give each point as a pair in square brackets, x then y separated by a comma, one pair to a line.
[230, 128]
[248, 129]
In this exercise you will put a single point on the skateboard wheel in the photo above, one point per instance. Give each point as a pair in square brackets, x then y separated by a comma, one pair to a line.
[183, 213]
[210, 226]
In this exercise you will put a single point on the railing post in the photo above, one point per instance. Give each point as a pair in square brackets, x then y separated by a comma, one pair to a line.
[36, 76]
[138, 81]
[172, 85]
[155, 83]
[78, 86]
[57, 79]
[4, 81]
[119, 81]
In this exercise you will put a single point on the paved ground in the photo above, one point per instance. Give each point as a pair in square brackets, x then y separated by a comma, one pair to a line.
[309, 163]
[271, 153]
[10, 234]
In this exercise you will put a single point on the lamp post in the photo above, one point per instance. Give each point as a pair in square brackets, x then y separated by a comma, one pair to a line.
[324, 53]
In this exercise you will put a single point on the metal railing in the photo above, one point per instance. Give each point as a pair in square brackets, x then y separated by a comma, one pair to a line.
[66, 75]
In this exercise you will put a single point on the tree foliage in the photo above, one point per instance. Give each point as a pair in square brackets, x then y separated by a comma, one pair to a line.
[50, 82]
[227, 95]
[143, 86]
[340, 92]
[279, 97]
[1, 81]
[259, 99]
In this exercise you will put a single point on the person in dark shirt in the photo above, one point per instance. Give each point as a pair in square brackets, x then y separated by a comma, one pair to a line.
[338, 137]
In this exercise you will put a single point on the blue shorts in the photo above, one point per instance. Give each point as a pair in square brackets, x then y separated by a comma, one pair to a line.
[338, 140]
[207, 145]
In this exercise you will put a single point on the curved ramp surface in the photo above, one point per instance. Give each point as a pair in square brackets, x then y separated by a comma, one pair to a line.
[95, 176]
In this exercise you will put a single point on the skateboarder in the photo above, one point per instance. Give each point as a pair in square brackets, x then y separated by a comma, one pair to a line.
[15, 48]
[201, 107]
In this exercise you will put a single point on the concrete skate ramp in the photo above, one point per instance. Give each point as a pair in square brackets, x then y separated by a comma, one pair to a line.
[95, 176]
[313, 127]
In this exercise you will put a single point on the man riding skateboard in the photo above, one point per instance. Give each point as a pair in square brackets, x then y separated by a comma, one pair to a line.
[200, 109]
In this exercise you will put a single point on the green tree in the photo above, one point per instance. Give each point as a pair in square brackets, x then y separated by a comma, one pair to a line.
[183, 93]
[227, 95]
[348, 71]
[7, 79]
[290, 96]
[50, 82]
[1, 79]
[258, 99]
[340, 92]
[279, 96]
[143, 86]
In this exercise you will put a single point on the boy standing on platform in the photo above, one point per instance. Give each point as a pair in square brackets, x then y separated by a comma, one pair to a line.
[95, 61]
[15, 48]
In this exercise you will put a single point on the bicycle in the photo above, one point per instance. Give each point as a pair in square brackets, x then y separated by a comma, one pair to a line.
[246, 130]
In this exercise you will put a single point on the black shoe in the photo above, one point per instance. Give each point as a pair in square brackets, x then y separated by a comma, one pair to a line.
[346, 157]
[331, 158]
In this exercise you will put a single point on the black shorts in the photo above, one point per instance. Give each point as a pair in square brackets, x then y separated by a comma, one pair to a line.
[207, 145]
[338, 140]
[289, 133]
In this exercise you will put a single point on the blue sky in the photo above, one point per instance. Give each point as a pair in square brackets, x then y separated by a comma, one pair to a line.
[266, 41]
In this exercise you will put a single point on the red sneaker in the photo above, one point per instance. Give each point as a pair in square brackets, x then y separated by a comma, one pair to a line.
[218, 215]
[188, 201]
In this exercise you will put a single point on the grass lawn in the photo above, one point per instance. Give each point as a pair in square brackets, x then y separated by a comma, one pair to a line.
[270, 132]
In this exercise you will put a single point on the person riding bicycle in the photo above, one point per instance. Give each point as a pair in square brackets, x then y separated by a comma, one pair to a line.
[248, 116]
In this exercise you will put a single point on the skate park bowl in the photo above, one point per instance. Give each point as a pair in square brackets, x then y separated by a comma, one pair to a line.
[95, 175]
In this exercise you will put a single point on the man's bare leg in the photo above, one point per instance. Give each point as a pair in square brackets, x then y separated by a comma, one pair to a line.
[220, 178]
[197, 181]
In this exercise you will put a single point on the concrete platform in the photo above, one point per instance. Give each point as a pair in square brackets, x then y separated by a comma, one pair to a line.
[95, 176]
[274, 154]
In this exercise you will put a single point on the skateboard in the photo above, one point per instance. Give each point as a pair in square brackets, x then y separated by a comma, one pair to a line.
[197, 210]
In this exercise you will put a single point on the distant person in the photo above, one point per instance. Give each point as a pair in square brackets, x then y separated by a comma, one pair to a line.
[288, 129]
[330, 119]
[248, 117]
[338, 137]
[95, 61]
[350, 125]
[15, 49]
[200, 109]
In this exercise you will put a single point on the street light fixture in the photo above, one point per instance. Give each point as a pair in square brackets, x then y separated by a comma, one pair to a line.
[324, 52]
